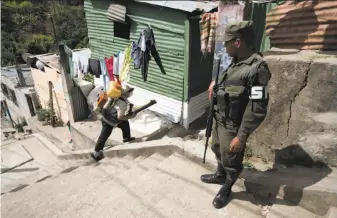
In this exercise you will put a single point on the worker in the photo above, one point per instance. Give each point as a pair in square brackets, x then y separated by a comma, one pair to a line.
[115, 114]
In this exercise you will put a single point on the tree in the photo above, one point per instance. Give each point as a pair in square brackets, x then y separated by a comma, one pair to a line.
[26, 27]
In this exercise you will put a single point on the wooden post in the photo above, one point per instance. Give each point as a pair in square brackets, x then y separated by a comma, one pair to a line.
[246, 11]
[66, 80]
[9, 113]
[51, 104]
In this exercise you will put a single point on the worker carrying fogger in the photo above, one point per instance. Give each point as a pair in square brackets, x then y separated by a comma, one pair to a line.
[115, 109]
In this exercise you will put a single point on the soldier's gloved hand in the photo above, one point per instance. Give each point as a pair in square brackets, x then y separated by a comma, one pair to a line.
[235, 145]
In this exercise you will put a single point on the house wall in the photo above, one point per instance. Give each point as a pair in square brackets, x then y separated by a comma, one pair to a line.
[41, 81]
[21, 109]
[168, 26]
[199, 78]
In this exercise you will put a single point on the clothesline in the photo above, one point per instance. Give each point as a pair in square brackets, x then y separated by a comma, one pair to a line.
[117, 66]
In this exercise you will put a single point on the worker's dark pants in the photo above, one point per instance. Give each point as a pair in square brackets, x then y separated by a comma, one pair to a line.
[106, 132]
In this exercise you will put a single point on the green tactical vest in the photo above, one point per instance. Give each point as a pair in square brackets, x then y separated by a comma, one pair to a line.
[234, 90]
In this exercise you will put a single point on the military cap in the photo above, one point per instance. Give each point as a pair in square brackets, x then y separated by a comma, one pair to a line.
[237, 29]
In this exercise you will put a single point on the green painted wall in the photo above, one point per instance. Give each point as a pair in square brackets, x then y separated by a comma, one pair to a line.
[169, 28]
[257, 12]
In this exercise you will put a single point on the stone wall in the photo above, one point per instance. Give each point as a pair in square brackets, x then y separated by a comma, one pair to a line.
[301, 125]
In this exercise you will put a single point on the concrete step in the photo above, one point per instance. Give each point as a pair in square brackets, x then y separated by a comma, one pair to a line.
[13, 183]
[63, 186]
[43, 190]
[59, 136]
[86, 133]
[182, 190]
[314, 189]
[144, 186]
[191, 197]
[282, 209]
[69, 190]
[43, 163]
[116, 184]
[332, 213]
[139, 169]
[119, 197]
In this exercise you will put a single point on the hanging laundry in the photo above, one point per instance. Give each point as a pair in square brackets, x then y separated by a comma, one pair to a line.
[136, 55]
[125, 72]
[104, 77]
[146, 44]
[120, 62]
[80, 61]
[208, 24]
[109, 62]
[116, 67]
[95, 67]
[204, 31]
[212, 32]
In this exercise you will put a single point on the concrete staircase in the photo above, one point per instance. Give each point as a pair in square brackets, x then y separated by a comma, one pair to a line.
[153, 185]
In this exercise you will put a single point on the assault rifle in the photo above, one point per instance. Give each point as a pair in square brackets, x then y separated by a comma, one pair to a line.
[211, 109]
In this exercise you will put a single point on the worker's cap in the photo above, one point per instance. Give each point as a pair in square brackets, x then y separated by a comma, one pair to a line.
[237, 30]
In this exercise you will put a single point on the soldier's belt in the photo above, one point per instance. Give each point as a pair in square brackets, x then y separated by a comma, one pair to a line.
[225, 122]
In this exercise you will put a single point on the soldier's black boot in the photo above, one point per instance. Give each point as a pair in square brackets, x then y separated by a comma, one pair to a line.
[219, 177]
[221, 199]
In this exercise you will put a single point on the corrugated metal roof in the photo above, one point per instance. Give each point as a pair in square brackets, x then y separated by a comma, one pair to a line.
[50, 59]
[188, 6]
[11, 73]
[304, 25]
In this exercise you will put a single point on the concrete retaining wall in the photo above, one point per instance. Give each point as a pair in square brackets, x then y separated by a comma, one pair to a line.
[301, 125]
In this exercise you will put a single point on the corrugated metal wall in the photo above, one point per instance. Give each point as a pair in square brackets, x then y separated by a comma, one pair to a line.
[304, 25]
[168, 27]
[81, 109]
[257, 13]
[100, 30]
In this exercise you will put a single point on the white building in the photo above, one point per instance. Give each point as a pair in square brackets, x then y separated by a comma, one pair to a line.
[18, 93]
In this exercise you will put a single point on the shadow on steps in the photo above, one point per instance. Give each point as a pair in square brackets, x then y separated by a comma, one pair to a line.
[293, 172]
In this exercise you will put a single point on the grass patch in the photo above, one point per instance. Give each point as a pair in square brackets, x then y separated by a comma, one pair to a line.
[247, 164]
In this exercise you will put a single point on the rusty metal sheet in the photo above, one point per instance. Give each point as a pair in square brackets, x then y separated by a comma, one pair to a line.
[306, 25]
[116, 12]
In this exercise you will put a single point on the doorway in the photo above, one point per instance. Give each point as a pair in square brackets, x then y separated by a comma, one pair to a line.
[30, 105]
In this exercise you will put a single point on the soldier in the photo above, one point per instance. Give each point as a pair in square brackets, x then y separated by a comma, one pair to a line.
[236, 115]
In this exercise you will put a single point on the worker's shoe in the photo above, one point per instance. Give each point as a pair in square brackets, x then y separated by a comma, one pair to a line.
[97, 156]
[129, 139]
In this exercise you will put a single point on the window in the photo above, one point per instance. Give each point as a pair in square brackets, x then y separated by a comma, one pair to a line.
[122, 30]
[4, 89]
[12, 96]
